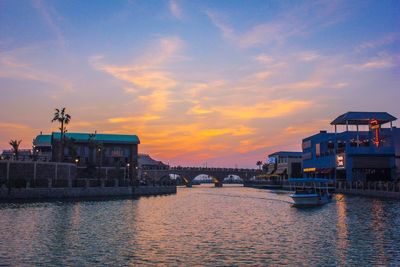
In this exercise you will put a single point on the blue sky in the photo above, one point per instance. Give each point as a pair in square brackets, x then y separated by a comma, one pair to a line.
[223, 82]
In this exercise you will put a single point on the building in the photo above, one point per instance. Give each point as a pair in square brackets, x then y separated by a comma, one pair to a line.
[148, 163]
[145, 162]
[285, 164]
[42, 147]
[364, 151]
[23, 155]
[84, 149]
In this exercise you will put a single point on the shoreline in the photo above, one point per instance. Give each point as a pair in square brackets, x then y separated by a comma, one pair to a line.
[78, 193]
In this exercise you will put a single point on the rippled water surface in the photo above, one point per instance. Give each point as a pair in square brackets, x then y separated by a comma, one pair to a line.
[202, 226]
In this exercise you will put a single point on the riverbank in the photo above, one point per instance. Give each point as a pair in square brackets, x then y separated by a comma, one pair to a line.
[83, 192]
[368, 189]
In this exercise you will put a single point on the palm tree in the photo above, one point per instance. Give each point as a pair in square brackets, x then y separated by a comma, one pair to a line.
[15, 147]
[63, 118]
[259, 164]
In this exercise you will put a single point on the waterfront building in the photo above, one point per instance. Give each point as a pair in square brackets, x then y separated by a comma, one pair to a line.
[42, 147]
[284, 165]
[366, 149]
[84, 149]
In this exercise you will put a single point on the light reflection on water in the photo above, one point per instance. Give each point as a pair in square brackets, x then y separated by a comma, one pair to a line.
[201, 225]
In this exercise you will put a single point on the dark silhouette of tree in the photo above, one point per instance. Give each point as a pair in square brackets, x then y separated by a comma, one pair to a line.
[95, 152]
[63, 118]
[259, 164]
[15, 147]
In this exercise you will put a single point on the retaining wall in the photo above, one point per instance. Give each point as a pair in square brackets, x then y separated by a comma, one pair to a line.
[370, 193]
[82, 192]
[371, 189]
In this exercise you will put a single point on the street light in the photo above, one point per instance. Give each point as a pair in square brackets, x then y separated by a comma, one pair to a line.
[127, 165]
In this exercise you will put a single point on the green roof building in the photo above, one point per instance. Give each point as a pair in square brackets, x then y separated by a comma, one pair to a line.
[85, 149]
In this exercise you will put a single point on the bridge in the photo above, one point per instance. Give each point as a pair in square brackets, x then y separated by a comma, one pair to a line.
[188, 174]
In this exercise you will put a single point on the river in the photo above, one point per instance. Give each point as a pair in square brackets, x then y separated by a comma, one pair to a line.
[229, 226]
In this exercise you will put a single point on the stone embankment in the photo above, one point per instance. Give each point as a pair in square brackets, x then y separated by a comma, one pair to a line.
[40, 180]
[370, 189]
[83, 192]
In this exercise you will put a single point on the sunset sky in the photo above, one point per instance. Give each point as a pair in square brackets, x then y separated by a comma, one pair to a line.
[222, 82]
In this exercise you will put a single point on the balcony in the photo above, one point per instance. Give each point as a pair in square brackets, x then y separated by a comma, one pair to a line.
[369, 150]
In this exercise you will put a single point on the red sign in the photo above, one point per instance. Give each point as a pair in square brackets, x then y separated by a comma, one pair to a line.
[116, 153]
[340, 161]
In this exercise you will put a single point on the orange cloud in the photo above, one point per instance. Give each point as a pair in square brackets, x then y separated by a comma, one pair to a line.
[269, 109]
[144, 118]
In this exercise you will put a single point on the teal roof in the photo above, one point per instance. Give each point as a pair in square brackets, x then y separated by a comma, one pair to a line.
[42, 140]
[363, 118]
[106, 138]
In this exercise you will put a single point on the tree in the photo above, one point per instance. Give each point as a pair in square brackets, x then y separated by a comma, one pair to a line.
[15, 147]
[259, 164]
[95, 152]
[63, 118]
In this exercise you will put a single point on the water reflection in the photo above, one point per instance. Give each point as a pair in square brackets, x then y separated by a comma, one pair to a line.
[378, 230]
[201, 226]
[343, 234]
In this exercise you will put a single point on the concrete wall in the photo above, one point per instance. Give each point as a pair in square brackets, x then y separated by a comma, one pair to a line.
[82, 192]
[32, 173]
[60, 193]
[371, 189]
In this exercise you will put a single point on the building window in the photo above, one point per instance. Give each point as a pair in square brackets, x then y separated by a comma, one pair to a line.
[306, 144]
[307, 156]
[341, 147]
[318, 150]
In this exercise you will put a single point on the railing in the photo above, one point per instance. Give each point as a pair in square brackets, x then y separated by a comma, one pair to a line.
[369, 186]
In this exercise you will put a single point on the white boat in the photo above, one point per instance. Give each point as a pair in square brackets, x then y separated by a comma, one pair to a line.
[310, 192]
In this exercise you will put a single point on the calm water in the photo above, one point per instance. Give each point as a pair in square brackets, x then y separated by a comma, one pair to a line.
[201, 226]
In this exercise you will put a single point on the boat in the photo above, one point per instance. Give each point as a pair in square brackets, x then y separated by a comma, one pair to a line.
[310, 192]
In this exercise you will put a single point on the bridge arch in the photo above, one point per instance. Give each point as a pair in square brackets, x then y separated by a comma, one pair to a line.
[189, 174]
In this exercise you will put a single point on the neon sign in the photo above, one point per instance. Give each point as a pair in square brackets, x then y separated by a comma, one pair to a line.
[374, 125]
[340, 161]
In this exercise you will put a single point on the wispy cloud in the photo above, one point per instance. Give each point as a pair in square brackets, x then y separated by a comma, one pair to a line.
[263, 58]
[378, 43]
[49, 17]
[175, 9]
[227, 31]
[11, 66]
[148, 72]
[299, 21]
[271, 109]
[308, 56]
[380, 62]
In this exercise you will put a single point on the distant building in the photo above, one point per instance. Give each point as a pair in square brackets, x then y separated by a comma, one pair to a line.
[23, 154]
[147, 163]
[285, 164]
[369, 154]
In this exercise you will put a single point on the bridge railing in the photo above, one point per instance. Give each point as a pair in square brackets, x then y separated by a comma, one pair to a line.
[213, 169]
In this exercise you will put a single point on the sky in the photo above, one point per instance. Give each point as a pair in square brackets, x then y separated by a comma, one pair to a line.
[222, 83]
